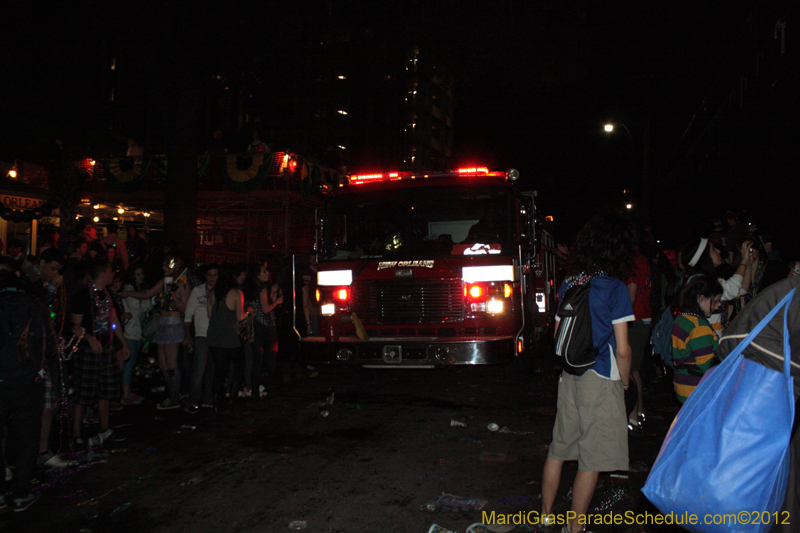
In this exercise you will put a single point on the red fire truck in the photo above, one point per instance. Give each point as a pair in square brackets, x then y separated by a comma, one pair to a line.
[418, 270]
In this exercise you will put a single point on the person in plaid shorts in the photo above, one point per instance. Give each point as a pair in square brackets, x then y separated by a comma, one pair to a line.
[50, 290]
[97, 373]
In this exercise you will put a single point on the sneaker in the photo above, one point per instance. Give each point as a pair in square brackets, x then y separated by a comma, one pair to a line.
[50, 460]
[634, 428]
[262, 391]
[105, 436]
[91, 420]
[127, 401]
[110, 435]
[116, 406]
[547, 523]
[166, 405]
[22, 504]
[9, 474]
[191, 408]
[135, 398]
[78, 444]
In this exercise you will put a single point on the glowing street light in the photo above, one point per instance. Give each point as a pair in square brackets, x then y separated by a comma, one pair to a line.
[645, 195]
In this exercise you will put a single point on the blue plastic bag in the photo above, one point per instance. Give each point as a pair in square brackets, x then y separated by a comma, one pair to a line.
[727, 452]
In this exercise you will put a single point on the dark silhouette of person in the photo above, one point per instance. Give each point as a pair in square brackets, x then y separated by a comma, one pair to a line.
[489, 227]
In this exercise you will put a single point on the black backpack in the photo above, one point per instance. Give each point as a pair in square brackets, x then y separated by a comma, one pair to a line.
[22, 335]
[574, 346]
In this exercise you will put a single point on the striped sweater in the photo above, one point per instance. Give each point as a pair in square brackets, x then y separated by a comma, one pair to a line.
[694, 343]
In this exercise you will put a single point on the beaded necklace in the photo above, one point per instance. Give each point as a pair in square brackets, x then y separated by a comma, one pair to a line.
[58, 306]
[101, 317]
[583, 278]
[754, 286]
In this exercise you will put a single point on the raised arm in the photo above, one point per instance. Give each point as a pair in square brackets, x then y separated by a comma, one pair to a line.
[144, 295]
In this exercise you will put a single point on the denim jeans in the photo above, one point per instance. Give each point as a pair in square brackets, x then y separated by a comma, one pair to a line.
[135, 346]
[202, 374]
[222, 360]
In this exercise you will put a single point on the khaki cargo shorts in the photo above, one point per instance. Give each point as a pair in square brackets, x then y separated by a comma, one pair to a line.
[591, 424]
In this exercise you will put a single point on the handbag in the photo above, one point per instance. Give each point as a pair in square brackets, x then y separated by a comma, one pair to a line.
[726, 457]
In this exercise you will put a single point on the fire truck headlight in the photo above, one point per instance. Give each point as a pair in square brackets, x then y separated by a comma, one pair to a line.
[494, 306]
[327, 309]
[327, 278]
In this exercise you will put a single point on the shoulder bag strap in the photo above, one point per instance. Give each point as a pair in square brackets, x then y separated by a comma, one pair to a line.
[737, 352]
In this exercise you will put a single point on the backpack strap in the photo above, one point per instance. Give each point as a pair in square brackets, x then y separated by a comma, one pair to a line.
[22, 342]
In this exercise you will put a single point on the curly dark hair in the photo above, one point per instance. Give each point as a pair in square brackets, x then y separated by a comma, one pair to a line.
[605, 243]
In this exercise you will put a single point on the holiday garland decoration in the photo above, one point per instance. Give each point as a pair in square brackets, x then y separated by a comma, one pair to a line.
[245, 173]
[26, 215]
[126, 174]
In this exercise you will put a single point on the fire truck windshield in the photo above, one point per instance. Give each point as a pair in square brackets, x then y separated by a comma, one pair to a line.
[414, 222]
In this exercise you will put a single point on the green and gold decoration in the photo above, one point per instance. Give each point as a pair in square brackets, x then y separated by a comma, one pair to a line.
[245, 173]
[127, 174]
[26, 215]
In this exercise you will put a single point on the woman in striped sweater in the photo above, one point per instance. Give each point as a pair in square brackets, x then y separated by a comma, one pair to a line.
[694, 340]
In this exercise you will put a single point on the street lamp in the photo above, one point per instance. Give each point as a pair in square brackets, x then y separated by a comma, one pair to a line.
[645, 200]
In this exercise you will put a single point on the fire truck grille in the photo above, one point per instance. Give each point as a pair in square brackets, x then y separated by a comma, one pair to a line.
[408, 302]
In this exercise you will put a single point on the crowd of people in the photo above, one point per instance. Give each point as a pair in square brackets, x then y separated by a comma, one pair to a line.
[93, 309]
[697, 290]
[77, 318]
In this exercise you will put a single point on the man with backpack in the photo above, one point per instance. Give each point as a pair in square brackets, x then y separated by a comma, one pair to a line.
[25, 341]
[592, 342]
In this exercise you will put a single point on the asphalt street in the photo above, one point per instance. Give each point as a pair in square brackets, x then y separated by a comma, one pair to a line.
[338, 450]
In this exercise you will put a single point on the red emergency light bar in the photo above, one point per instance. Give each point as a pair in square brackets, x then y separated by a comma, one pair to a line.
[390, 176]
[473, 170]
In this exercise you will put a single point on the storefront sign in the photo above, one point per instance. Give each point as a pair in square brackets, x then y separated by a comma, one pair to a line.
[20, 202]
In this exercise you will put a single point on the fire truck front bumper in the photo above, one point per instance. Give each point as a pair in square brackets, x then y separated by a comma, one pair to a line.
[408, 352]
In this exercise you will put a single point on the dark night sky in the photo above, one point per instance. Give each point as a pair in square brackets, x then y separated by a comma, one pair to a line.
[535, 80]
